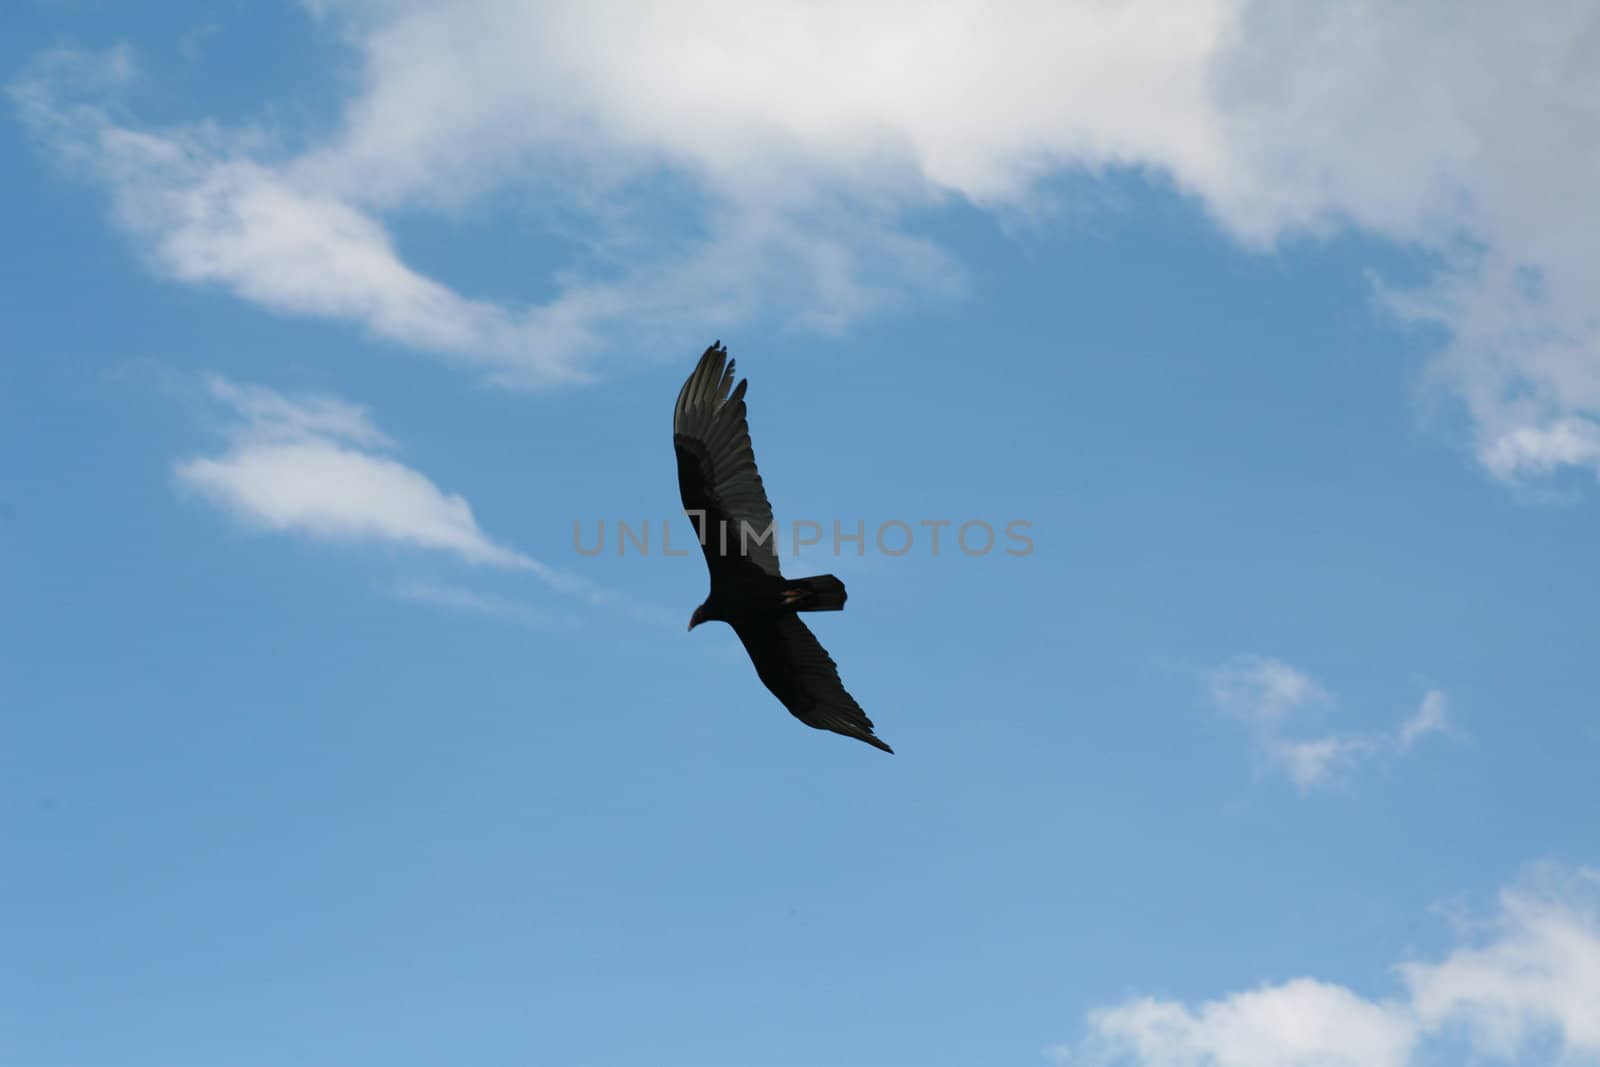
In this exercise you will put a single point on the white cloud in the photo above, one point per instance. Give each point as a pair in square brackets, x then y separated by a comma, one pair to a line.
[1263, 690]
[1318, 761]
[1564, 442]
[337, 493]
[805, 134]
[266, 415]
[207, 213]
[320, 467]
[1536, 979]
[1302, 1023]
[1430, 718]
[1268, 695]
[309, 466]
[1539, 975]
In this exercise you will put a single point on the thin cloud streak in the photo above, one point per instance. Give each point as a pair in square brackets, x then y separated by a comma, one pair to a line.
[474, 602]
[320, 467]
[309, 466]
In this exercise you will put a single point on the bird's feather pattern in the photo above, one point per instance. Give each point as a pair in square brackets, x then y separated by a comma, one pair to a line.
[793, 664]
[717, 477]
[717, 467]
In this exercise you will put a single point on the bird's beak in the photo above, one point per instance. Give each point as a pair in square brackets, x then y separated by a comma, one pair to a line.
[695, 619]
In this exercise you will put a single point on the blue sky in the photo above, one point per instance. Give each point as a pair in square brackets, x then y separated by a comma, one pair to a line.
[323, 746]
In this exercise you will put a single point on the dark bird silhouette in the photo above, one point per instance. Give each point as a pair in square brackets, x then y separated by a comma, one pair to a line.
[723, 495]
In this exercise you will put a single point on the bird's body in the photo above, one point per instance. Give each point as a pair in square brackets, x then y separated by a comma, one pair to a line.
[723, 494]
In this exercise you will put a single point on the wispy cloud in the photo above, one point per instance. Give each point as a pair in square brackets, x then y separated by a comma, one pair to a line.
[1429, 719]
[316, 466]
[1523, 450]
[475, 602]
[1269, 695]
[1533, 983]
[1263, 691]
[320, 467]
[804, 140]
[207, 212]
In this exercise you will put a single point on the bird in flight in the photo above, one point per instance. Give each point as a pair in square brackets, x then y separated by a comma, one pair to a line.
[723, 495]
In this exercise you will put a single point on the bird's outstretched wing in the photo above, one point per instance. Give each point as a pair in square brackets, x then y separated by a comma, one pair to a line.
[717, 472]
[794, 665]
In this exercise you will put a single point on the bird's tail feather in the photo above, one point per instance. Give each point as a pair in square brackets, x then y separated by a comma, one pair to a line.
[822, 592]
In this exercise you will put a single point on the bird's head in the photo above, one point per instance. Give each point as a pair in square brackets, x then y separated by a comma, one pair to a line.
[698, 617]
